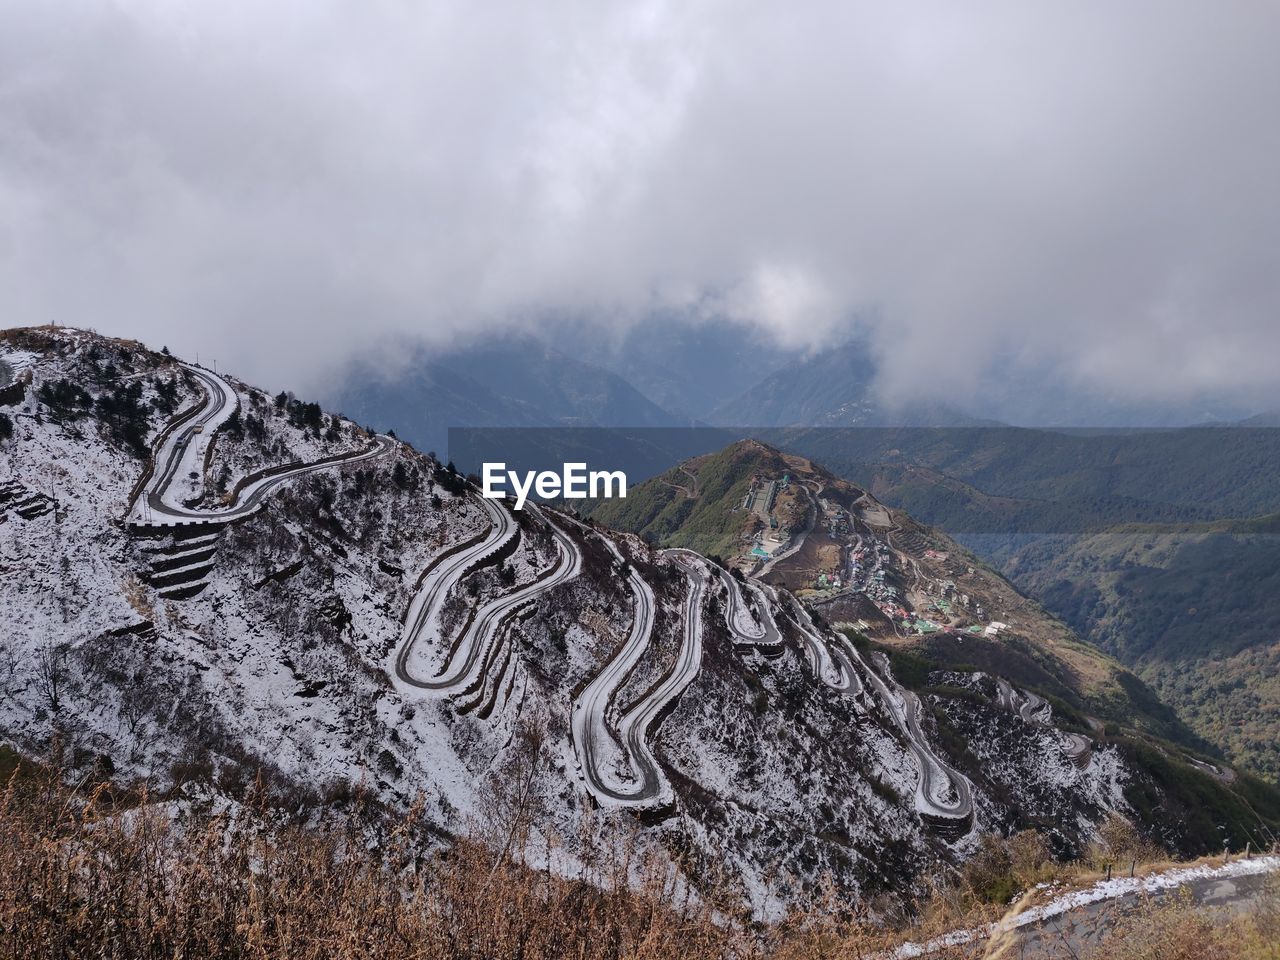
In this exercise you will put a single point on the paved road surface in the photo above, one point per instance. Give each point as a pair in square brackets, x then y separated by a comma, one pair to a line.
[434, 589]
[589, 724]
[1085, 928]
[1080, 921]
[640, 721]
[764, 636]
[182, 449]
[1036, 710]
[471, 653]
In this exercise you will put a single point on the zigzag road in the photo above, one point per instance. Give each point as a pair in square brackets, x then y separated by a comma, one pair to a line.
[588, 724]
[943, 796]
[817, 650]
[643, 718]
[466, 666]
[440, 577]
[766, 637]
[650, 788]
[1034, 709]
[184, 442]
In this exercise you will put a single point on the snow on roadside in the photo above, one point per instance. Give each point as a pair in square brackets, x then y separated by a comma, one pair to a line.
[1113, 889]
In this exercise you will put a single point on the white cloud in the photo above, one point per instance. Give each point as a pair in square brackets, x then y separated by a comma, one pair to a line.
[1082, 184]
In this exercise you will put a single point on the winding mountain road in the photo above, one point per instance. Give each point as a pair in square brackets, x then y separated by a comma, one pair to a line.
[636, 726]
[763, 634]
[589, 722]
[440, 577]
[648, 788]
[181, 449]
[1034, 709]
[817, 650]
[942, 794]
[465, 667]
[1078, 748]
[844, 653]
[943, 797]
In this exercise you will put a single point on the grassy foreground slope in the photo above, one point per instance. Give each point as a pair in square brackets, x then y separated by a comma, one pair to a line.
[100, 872]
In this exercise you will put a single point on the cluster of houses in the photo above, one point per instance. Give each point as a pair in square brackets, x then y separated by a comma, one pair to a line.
[867, 566]
[836, 518]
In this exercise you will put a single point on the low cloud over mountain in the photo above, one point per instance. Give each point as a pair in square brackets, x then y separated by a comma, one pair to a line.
[1087, 189]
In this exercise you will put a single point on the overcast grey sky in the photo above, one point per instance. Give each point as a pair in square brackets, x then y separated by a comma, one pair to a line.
[1091, 185]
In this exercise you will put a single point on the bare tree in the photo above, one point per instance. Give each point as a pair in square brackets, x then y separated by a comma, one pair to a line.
[8, 663]
[515, 797]
[51, 674]
[132, 710]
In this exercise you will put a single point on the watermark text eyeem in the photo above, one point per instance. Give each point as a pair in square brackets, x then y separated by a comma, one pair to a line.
[573, 482]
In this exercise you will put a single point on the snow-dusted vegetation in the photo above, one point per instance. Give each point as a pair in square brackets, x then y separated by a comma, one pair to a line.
[364, 621]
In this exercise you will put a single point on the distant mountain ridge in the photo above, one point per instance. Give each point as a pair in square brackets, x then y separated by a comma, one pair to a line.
[834, 388]
[1192, 612]
[685, 367]
[1210, 471]
[670, 372]
[514, 382]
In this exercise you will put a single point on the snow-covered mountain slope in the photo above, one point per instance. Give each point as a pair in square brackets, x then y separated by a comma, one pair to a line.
[200, 583]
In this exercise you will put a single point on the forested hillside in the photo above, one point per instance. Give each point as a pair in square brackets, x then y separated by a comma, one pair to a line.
[1196, 614]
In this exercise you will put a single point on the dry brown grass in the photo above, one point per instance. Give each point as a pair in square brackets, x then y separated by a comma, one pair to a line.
[830, 928]
[81, 877]
[94, 874]
[1176, 929]
[136, 595]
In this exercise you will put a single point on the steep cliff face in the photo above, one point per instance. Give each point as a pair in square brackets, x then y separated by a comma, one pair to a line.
[202, 584]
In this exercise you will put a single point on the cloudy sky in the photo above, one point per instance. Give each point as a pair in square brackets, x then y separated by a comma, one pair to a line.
[1086, 185]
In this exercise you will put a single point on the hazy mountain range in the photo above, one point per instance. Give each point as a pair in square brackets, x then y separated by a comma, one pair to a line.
[670, 372]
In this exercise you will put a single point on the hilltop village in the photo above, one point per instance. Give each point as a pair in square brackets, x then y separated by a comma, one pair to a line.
[838, 547]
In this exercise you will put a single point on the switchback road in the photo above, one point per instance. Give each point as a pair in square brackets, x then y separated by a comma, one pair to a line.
[181, 449]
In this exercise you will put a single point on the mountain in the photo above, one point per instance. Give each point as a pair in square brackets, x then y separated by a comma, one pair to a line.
[240, 602]
[1186, 602]
[963, 510]
[831, 389]
[813, 541]
[1270, 418]
[1032, 394]
[514, 382]
[790, 522]
[1192, 611]
[689, 367]
[1191, 473]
